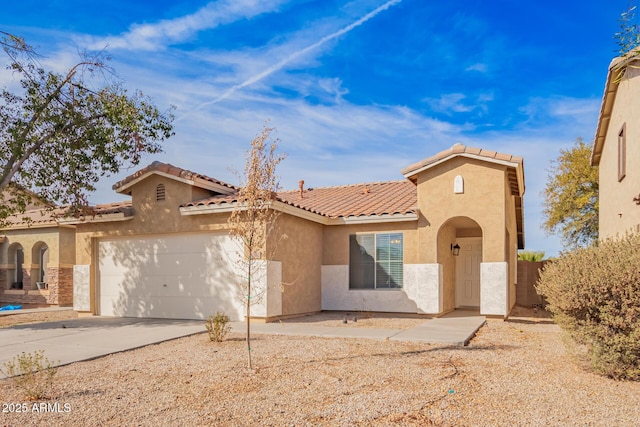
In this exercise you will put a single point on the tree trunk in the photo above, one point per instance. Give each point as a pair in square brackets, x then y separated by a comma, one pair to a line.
[249, 314]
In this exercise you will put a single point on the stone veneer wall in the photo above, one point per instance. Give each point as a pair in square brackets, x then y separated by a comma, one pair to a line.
[59, 292]
[60, 282]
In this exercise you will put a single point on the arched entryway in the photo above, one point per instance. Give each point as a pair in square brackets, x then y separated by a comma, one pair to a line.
[15, 273]
[39, 265]
[460, 254]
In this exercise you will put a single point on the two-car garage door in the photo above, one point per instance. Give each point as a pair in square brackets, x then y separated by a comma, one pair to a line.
[186, 276]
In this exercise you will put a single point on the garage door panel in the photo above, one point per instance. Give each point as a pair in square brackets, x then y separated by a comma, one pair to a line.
[181, 276]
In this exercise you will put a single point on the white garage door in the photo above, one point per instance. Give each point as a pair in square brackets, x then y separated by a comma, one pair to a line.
[187, 276]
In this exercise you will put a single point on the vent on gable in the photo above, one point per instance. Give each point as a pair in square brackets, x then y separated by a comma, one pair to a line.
[160, 193]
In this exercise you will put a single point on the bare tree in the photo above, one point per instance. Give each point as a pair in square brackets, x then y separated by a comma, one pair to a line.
[253, 216]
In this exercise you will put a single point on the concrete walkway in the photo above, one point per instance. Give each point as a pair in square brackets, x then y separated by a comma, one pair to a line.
[74, 340]
[456, 328]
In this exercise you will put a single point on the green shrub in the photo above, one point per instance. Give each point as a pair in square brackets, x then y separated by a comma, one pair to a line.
[533, 256]
[33, 373]
[594, 294]
[218, 327]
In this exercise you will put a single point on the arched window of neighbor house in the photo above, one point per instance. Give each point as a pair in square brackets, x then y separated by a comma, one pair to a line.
[160, 193]
[40, 257]
[15, 274]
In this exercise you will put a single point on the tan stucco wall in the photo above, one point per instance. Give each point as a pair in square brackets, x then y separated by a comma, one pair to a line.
[482, 202]
[151, 217]
[335, 250]
[297, 244]
[618, 212]
[60, 260]
[28, 238]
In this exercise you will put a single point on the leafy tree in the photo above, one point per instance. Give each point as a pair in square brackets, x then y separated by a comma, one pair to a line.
[252, 218]
[61, 132]
[571, 197]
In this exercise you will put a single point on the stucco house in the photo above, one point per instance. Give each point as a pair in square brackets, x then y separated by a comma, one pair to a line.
[37, 255]
[616, 149]
[444, 237]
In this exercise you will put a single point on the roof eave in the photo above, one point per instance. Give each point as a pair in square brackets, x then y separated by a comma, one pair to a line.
[377, 219]
[409, 172]
[302, 213]
[197, 182]
[617, 68]
[604, 117]
[119, 216]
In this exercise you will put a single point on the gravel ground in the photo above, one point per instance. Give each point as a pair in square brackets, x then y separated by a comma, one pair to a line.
[514, 373]
[23, 318]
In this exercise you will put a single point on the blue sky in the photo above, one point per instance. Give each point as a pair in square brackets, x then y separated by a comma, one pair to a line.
[357, 90]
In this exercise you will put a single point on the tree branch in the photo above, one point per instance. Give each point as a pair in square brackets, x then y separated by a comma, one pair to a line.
[17, 164]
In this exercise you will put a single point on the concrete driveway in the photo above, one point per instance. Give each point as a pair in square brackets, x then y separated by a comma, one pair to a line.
[73, 340]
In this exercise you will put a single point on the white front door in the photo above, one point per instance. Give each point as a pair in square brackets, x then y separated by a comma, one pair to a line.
[468, 272]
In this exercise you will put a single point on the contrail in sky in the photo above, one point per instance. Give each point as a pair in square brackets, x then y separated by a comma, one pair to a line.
[279, 65]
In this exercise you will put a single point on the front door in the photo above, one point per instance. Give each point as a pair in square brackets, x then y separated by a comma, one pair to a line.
[468, 272]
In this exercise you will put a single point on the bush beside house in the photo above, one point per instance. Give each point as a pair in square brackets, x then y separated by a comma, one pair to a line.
[594, 294]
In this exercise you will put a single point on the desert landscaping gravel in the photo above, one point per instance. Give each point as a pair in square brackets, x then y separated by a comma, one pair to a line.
[514, 373]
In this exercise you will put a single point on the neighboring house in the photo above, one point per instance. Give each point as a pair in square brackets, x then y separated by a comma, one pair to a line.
[616, 149]
[445, 237]
[37, 255]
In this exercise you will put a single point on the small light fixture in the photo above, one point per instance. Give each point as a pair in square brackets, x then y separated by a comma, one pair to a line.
[455, 249]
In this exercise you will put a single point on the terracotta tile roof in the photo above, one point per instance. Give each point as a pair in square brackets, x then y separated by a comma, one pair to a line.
[34, 216]
[378, 198]
[174, 171]
[214, 200]
[43, 217]
[458, 149]
[123, 207]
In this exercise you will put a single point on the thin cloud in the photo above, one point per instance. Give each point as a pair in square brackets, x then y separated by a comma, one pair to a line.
[151, 37]
[479, 67]
[448, 103]
[297, 54]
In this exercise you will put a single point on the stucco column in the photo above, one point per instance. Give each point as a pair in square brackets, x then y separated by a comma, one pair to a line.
[494, 285]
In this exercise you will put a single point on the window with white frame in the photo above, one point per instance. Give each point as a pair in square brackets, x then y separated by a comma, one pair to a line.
[376, 261]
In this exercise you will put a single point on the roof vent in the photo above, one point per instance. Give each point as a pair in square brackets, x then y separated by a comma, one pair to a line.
[160, 193]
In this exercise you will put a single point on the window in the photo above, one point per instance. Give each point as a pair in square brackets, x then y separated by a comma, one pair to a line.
[160, 194]
[375, 261]
[622, 153]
